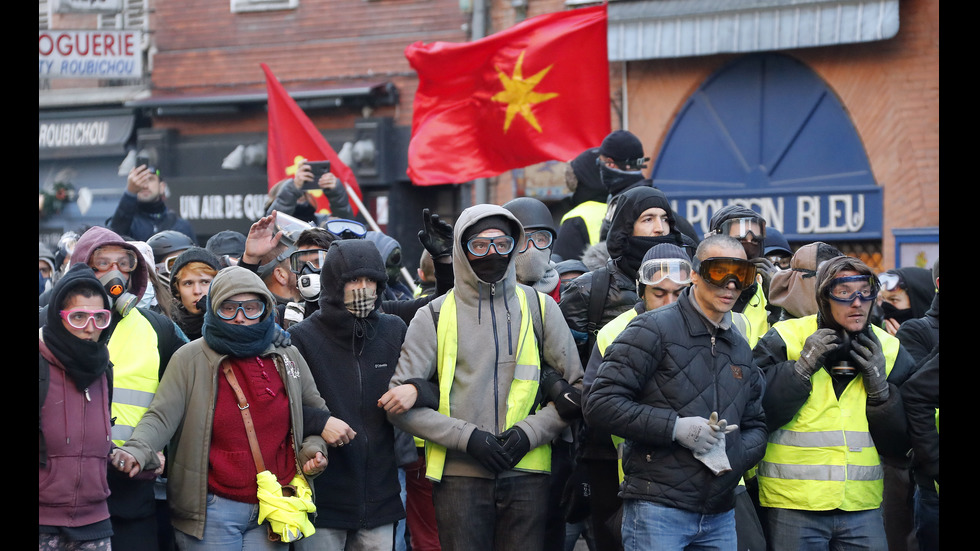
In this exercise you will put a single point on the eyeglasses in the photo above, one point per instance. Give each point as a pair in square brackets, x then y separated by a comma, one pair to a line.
[346, 229]
[847, 289]
[890, 281]
[480, 246]
[541, 239]
[655, 270]
[313, 259]
[125, 260]
[252, 309]
[78, 317]
[721, 270]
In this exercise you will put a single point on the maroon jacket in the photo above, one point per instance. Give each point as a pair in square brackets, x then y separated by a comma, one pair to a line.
[72, 486]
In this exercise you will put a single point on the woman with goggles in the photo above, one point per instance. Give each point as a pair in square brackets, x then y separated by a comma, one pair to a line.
[74, 426]
[238, 359]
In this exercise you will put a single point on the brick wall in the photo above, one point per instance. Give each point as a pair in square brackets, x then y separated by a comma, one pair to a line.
[204, 48]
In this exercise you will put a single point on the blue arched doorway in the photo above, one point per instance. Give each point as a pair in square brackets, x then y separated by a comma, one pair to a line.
[767, 132]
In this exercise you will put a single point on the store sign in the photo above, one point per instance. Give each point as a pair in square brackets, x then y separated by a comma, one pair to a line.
[82, 136]
[223, 207]
[89, 54]
[800, 216]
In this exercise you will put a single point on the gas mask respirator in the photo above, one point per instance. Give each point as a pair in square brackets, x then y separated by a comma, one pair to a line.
[115, 285]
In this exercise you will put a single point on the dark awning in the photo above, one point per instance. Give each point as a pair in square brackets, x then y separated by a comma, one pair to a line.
[372, 94]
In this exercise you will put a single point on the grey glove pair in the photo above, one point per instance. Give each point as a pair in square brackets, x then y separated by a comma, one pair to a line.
[699, 434]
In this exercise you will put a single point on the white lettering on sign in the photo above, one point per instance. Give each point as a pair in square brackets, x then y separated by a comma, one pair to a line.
[773, 209]
[845, 213]
[222, 207]
[814, 214]
[72, 134]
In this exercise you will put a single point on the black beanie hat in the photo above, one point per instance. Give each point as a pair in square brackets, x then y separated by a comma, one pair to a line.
[621, 146]
[495, 221]
[192, 254]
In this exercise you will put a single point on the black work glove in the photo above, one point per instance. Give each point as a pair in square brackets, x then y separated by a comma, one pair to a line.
[485, 448]
[567, 399]
[765, 268]
[515, 444]
[866, 353]
[815, 349]
[436, 235]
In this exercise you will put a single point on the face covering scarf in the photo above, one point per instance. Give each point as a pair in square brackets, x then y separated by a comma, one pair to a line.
[360, 302]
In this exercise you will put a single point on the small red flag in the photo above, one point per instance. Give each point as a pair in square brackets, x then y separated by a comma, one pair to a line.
[535, 92]
[292, 137]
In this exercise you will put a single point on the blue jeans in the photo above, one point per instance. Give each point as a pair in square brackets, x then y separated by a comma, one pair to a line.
[835, 530]
[927, 518]
[229, 525]
[503, 514]
[649, 526]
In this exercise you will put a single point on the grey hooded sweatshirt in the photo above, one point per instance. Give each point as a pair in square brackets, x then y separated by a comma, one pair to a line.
[489, 321]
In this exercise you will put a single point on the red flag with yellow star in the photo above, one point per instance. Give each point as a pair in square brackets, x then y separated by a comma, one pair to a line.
[535, 92]
[292, 138]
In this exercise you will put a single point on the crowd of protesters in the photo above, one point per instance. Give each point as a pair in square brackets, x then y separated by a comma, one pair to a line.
[614, 378]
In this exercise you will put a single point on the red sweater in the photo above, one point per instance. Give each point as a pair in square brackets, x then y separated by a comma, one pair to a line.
[231, 472]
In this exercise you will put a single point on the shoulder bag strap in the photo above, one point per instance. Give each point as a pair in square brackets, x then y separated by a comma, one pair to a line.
[253, 441]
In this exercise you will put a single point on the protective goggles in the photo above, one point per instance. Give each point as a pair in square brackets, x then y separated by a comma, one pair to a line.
[346, 229]
[721, 270]
[102, 261]
[891, 280]
[848, 288]
[252, 309]
[655, 270]
[480, 246]
[78, 317]
[168, 264]
[780, 261]
[541, 239]
[314, 259]
[744, 228]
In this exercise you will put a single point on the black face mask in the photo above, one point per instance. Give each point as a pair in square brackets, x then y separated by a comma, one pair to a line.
[490, 268]
[636, 249]
[616, 181]
[889, 311]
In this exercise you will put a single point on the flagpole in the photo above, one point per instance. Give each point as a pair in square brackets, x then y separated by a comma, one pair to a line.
[374, 225]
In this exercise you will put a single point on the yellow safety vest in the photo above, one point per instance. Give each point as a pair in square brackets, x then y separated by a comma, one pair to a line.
[757, 315]
[520, 398]
[824, 458]
[592, 213]
[133, 351]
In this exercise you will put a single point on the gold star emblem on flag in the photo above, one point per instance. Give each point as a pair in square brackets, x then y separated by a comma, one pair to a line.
[519, 94]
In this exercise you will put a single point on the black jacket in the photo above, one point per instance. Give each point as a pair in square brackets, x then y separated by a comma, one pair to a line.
[352, 361]
[668, 364]
[919, 336]
[920, 395]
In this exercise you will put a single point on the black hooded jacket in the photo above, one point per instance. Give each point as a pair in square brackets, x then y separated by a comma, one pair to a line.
[626, 253]
[352, 361]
